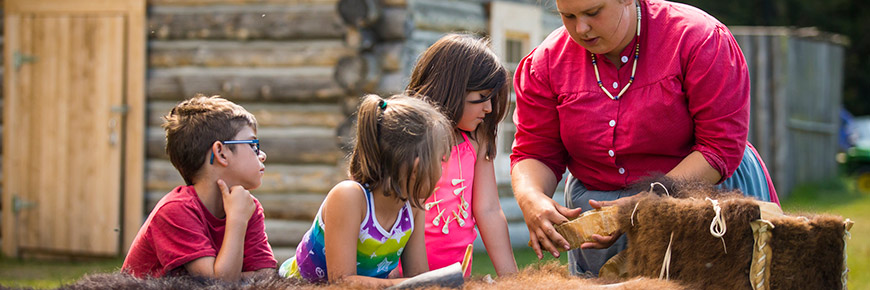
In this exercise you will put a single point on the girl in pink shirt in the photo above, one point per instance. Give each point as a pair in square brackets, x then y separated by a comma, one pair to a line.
[464, 77]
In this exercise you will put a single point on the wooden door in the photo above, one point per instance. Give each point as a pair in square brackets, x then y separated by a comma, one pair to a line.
[72, 126]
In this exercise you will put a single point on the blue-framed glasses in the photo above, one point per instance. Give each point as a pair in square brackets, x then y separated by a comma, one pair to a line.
[255, 145]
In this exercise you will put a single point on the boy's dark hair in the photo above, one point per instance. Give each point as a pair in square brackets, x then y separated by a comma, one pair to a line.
[391, 134]
[193, 125]
[455, 65]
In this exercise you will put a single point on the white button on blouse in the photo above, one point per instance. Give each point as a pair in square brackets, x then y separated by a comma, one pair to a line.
[612, 123]
[615, 85]
[621, 170]
[610, 152]
[624, 59]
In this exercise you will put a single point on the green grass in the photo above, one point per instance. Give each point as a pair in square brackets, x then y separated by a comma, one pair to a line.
[525, 257]
[837, 197]
[16, 273]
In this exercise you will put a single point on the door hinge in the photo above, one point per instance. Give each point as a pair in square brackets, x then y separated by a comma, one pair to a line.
[121, 109]
[19, 59]
[19, 204]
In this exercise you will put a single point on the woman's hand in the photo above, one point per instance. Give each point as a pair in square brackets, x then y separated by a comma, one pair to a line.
[540, 215]
[603, 242]
[533, 185]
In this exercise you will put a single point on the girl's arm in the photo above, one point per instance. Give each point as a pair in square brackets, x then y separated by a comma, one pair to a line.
[490, 218]
[414, 259]
[343, 211]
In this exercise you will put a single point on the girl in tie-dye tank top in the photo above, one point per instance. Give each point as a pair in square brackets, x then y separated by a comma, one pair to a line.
[366, 225]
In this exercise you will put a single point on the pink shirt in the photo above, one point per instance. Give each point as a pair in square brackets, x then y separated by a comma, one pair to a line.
[444, 249]
[690, 93]
[180, 229]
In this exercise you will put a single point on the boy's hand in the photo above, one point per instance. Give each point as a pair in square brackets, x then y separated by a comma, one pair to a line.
[238, 203]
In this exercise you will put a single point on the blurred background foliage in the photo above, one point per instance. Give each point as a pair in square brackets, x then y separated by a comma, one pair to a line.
[850, 18]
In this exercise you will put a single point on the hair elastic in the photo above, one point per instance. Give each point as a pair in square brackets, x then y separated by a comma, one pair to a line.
[383, 104]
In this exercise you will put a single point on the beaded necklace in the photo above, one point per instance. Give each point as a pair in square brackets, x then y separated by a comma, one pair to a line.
[463, 206]
[633, 66]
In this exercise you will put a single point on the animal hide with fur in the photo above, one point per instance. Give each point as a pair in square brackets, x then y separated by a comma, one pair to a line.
[807, 251]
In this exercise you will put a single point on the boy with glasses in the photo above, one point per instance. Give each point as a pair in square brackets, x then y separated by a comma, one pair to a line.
[211, 227]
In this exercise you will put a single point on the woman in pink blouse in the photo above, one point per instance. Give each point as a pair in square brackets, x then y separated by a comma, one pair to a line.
[624, 90]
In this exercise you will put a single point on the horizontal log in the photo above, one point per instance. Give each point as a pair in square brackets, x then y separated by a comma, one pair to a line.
[358, 73]
[445, 16]
[162, 53]
[245, 22]
[283, 233]
[392, 83]
[160, 175]
[302, 84]
[394, 3]
[307, 145]
[359, 13]
[328, 115]
[393, 23]
[291, 206]
[286, 206]
[360, 39]
[238, 2]
[390, 55]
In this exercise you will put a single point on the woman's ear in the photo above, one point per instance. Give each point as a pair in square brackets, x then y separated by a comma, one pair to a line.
[217, 154]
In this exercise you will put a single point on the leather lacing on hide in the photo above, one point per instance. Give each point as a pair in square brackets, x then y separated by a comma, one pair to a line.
[717, 226]
[847, 224]
[717, 229]
[759, 274]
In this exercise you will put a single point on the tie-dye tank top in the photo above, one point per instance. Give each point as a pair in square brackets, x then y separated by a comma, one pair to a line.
[377, 250]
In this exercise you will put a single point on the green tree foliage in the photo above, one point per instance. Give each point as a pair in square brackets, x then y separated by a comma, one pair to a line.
[847, 17]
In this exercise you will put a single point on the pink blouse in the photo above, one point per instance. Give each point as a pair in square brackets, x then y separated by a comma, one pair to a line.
[450, 219]
[690, 93]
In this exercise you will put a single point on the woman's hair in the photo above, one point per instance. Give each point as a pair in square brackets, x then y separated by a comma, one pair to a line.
[455, 65]
[400, 143]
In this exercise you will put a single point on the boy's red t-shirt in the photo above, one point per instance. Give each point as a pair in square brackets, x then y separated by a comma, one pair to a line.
[180, 229]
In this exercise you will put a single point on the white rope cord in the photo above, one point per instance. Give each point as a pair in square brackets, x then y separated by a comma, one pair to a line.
[632, 213]
[652, 185]
[717, 226]
[666, 263]
[846, 235]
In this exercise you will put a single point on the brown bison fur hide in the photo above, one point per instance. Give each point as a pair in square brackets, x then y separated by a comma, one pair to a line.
[807, 252]
[543, 276]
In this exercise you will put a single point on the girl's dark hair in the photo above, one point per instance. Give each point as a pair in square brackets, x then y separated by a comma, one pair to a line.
[455, 65]
[400, 143]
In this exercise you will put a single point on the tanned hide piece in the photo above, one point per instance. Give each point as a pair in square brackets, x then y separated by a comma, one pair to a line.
[807, 251]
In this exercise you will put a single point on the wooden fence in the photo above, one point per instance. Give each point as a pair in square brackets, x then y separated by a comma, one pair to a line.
[797, 90]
